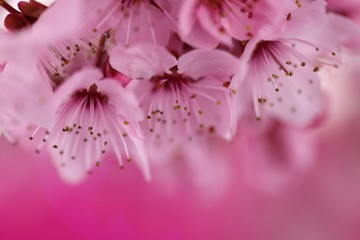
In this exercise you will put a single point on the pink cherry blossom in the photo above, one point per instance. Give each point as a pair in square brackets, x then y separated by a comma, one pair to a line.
[183, 98]
[93, 116]
[279, 66]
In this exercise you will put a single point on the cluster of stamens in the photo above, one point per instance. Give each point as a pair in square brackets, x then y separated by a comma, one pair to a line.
[186, 111]
[291, 63]
[86, 122]
[60, 61]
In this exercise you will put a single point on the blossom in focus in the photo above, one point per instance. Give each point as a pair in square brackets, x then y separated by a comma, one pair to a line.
[94, 115]
[279, 66]
[183, 98]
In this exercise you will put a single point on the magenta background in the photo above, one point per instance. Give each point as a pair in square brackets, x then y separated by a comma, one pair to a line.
[35, 204]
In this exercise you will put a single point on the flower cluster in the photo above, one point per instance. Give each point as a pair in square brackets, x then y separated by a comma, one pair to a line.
[145, 79]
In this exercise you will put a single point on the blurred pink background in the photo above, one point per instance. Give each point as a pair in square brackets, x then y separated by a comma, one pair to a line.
[114, 204]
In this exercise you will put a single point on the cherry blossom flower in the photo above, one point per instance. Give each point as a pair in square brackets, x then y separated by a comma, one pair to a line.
[182, 98]
[85, 117]
[94, 115]
[279, 66]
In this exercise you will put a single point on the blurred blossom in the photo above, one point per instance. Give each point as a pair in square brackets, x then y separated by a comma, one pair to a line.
[194, 119]
[276, 156]
[350, 8]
